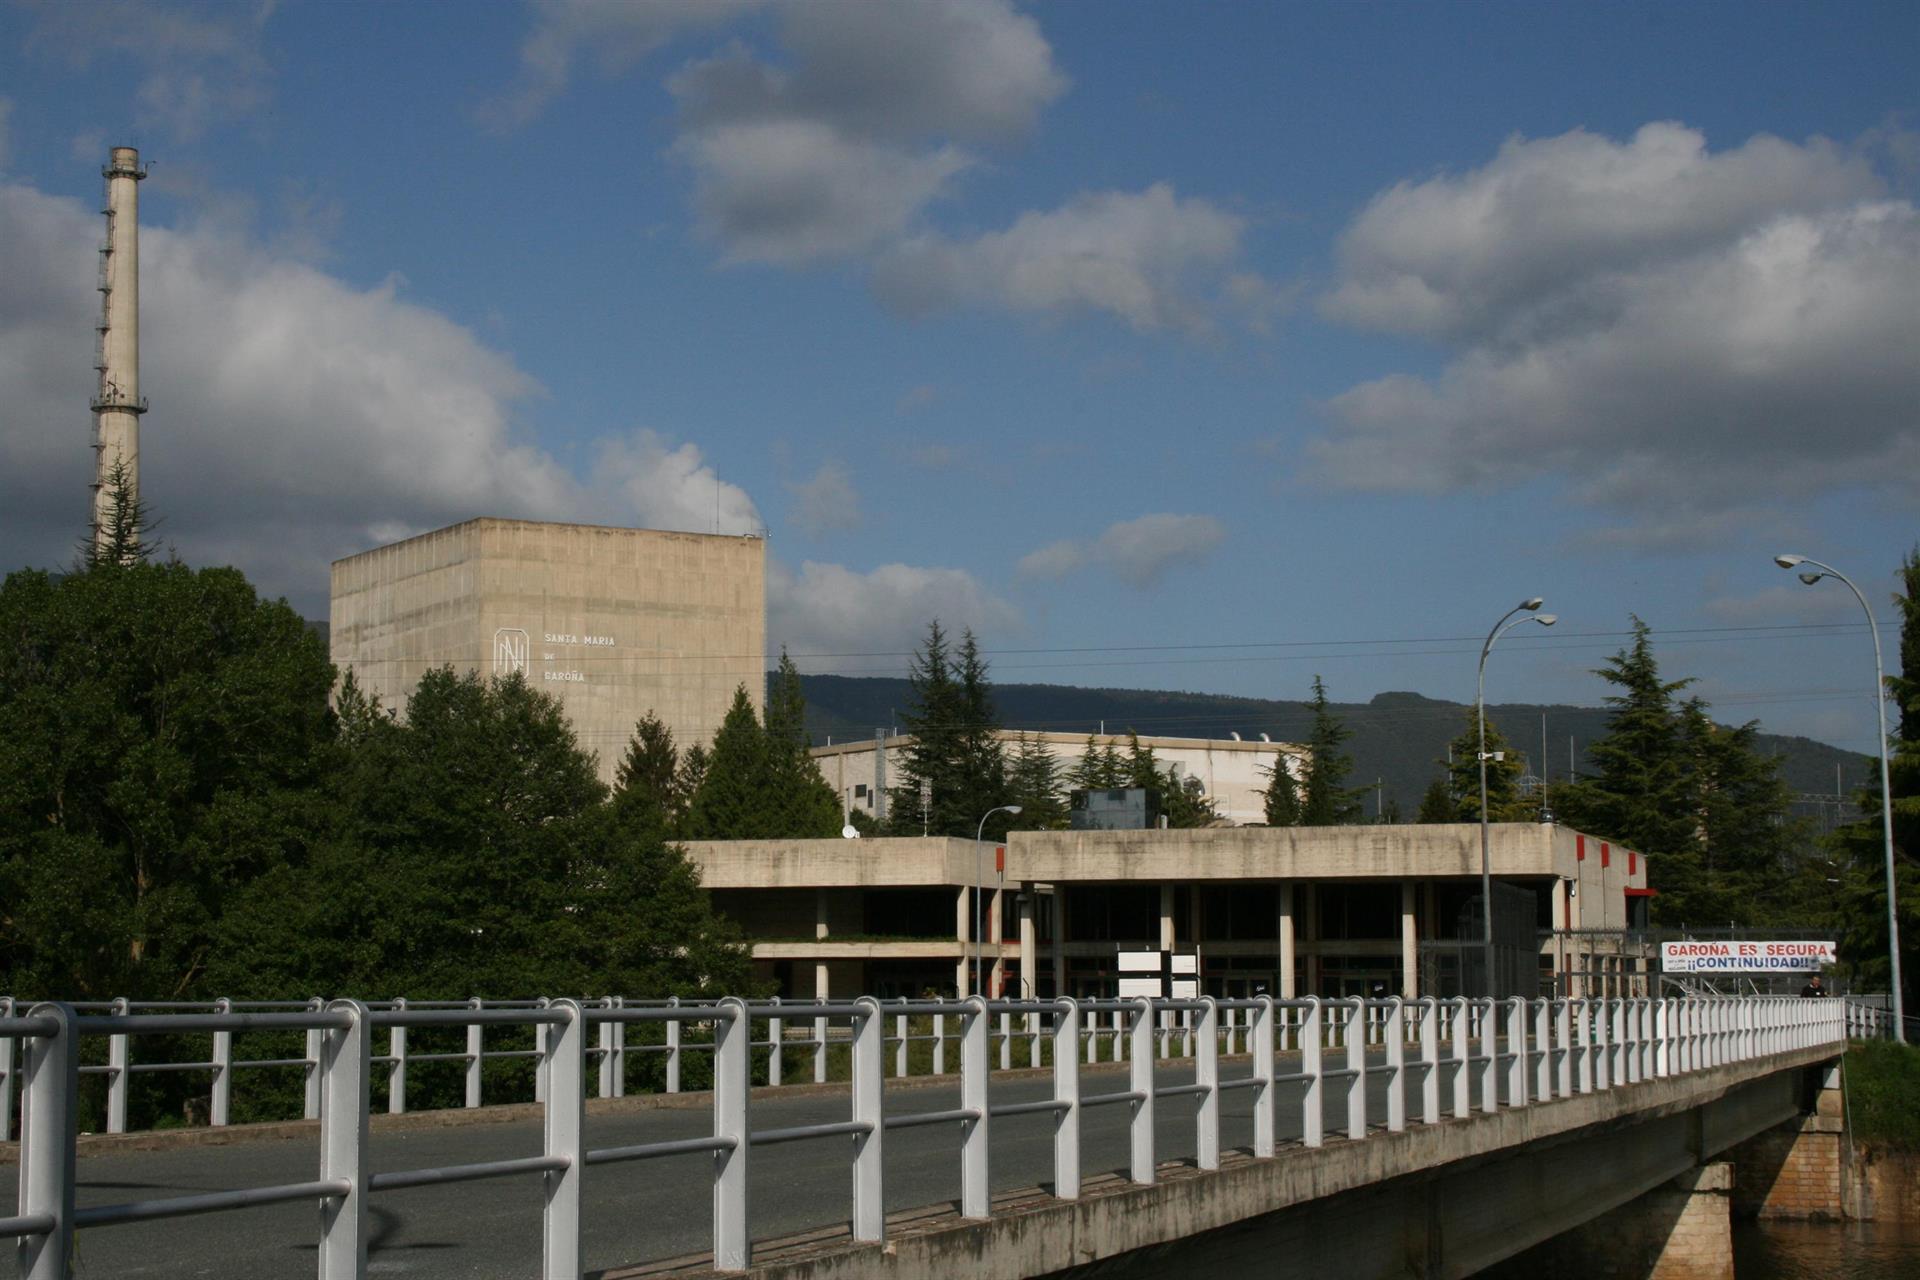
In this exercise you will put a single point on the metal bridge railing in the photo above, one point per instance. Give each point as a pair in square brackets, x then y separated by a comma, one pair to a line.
[1540, 1050]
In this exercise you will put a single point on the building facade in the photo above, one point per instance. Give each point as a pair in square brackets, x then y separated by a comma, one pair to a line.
[1234, 773]
[1330, 911]
[613, 622]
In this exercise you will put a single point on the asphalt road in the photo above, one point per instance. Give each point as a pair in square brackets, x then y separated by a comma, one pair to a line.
[633, 1212]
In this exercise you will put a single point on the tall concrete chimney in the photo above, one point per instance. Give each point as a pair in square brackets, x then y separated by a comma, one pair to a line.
[117, 405]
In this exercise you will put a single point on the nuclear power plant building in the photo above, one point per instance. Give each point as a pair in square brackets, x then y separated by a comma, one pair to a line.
[615, 623]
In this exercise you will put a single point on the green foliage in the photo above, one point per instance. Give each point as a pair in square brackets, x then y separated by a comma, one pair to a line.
[1504, 801]
[1034, 783]
[1702, 800]
[759, 783]
[161, 733]
[1883, 1094]
[1183, 801]
[803, 804]
[1099, 768]
[1437, 805]
[956, 751]
[1325, 798]
[646, 795]
[118, 540]
[731, 802]
[1282, 794]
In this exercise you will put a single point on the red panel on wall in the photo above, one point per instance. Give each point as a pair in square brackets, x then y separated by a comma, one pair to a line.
[1579, 848]
[1633, 862]
[1606, 854]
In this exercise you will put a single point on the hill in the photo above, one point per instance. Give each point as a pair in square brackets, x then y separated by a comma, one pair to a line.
[1398, 738]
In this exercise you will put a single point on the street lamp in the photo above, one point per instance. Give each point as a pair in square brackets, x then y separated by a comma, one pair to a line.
[978, 837]
[1531, 606]
[1886, 789]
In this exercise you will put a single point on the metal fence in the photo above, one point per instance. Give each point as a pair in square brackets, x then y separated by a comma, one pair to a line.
[1509, 1052]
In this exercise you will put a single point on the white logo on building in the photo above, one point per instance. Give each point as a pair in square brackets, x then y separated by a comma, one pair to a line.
[510, 651]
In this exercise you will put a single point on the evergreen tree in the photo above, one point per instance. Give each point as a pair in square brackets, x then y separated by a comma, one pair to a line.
[693, 771]
[732, 802]
[646, 794]
[1325, 798]
[1282, 793]
[1183, 801]
[118, 541]
[1742, 864]
[1504, 801]
[1437, 805]
[1640, 795]
[956, 750]
[1034, 783]
[804, 805]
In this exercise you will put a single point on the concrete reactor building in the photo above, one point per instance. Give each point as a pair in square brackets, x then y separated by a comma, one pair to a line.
[613, 622]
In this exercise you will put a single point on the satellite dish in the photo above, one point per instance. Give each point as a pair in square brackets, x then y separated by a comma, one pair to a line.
[850, 831]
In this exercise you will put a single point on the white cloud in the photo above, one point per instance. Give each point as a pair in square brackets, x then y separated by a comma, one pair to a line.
[1142, 256]
[201, 64]
[842, 149]
[1684, 335]
[826, 502]
[1139, 552]
[295, 417]
[615, 34]
[829, 609]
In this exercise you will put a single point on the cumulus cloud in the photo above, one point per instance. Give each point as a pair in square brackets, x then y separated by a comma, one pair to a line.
[844, 147]
[200, 65]
[614, 34]
[829, 609]
[1684, 333]
[296, 418]
[1135, 255]
[826, 502]
[1139, 552]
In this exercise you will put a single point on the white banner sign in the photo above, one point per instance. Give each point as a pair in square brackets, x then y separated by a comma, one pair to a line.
[1744, 957]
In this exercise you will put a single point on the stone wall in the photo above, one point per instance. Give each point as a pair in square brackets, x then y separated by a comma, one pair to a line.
[1679, 1231]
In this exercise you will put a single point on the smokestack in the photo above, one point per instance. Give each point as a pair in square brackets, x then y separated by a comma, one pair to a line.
[117, 405]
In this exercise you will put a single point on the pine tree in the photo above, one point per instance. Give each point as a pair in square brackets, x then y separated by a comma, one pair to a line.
[1639, 796]
[1437, 804]
[1504, 801]
[117, 541]
[803, 805]
[956, 749]
[982, 761]
[1183, 801]
[1033, 783]
[1743, 860]
[1282, 794]
[1325, 798]
[646, 795]
[732, 802]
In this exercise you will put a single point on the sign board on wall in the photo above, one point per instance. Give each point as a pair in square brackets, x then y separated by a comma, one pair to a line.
[1744, 957]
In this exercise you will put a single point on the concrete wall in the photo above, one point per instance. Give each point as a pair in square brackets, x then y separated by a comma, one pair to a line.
[613, 622]
[1234, 773]
[1679, 1231]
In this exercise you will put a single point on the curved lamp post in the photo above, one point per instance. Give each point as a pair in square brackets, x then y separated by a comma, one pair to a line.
[1529, 606]
[1886, 790]
[978, 837]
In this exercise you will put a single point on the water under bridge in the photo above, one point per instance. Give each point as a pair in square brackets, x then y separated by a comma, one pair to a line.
[1376, 1138]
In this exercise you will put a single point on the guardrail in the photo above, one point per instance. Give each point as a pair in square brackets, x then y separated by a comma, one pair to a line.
[1538, 1050]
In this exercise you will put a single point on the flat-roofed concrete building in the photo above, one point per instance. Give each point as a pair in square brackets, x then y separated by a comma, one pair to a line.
[1290, 911]
[613, 622]
[1233, 773]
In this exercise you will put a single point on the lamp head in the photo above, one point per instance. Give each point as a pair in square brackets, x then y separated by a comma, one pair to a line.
[1547, 619]
[1011, 808]
[1788, 561]
[1811, 578]
[1531, 603]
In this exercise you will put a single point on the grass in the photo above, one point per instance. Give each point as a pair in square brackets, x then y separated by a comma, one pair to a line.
[1883, 1094]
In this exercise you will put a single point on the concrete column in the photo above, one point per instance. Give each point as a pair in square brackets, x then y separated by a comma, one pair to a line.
[1681, 1230]
[1286, 942]
[1409, 943]
[963, 934]
[1059, 941]
[820, 931]
[1801, 1170]
[1166, 917]
[1029, 950]
[996, 921]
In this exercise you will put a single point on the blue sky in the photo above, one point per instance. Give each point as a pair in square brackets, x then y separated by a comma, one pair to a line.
[1118, 332]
